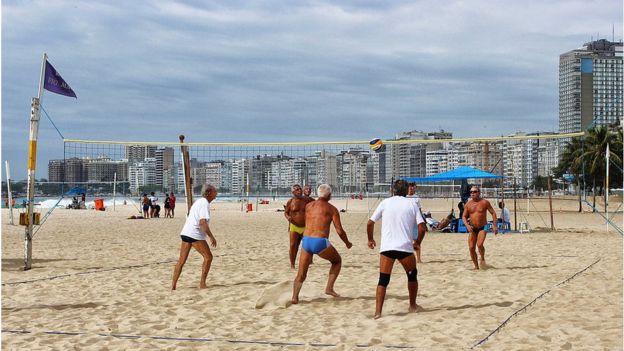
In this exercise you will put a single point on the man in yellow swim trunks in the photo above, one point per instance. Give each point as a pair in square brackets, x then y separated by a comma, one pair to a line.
[295, 214]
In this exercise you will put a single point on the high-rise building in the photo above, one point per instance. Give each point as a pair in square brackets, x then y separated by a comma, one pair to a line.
[164, 162]
[590, 86]
[56, 170]
[138, 153]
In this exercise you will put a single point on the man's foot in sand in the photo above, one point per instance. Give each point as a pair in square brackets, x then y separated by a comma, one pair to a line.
[377, 316]
[295, 300]
[419, 261]
[332, 293]
[414, 308]
[203, 286]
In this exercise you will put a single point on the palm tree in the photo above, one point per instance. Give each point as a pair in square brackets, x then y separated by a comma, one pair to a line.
[596, 143]
[588, 154]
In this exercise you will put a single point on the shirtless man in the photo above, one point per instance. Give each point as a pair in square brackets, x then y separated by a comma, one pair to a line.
[319, 215]
[307, 191]
[295, 214]
[476, 208]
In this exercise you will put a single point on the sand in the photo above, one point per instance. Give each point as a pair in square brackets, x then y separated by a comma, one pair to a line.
[102, 282]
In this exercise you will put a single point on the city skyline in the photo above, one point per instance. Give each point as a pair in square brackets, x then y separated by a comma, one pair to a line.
[282, 71]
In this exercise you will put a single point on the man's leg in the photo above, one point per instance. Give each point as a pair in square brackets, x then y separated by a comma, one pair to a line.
[295, 240]
[304, 263]
[332, 256]
[472, 243]
[418, 250]
[409, 265]
[385, 270]
[185, 248]
[202, 247]
[480, 242]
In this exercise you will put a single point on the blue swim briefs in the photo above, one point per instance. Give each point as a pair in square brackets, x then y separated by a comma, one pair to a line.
[314, 245]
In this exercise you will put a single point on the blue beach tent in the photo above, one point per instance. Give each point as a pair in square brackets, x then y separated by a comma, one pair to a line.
[459, 173]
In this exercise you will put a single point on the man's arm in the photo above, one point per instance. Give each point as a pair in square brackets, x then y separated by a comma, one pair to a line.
[341, 232]
[287, 210]
[203, 226]
[465, 219]
[494, 220]
[370, 227]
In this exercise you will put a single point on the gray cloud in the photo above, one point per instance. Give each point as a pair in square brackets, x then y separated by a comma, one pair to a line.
[234, 71]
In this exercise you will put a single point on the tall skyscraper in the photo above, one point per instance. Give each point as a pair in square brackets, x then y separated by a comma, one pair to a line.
[590, 86]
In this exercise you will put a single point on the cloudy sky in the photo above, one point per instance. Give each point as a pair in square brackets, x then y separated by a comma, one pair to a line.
[241, 71]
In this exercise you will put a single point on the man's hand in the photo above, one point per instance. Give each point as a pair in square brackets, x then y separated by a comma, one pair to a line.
[416, 245]
[349, 244]
[469, 228]
[495, 230]
[213, 241]
[372, 244]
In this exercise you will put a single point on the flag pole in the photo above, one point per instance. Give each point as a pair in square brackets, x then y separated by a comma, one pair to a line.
[32, 165]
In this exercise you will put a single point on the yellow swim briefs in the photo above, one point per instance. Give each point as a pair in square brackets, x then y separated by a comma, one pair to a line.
[297, 229]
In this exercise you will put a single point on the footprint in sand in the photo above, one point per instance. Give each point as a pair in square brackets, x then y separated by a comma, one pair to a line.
[277, 295]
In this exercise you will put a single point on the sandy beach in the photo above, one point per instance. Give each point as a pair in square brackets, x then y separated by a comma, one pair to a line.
[102, 282]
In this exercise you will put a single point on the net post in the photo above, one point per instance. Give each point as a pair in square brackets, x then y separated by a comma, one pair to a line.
[186, 169]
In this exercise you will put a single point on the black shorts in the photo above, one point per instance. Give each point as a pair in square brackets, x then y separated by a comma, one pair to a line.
[396, 255]
[188, 239]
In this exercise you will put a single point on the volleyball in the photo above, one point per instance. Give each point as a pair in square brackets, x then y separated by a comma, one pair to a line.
[375, 144]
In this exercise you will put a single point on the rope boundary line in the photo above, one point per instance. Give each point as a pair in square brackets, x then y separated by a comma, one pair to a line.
[232, 341]
[531, 303]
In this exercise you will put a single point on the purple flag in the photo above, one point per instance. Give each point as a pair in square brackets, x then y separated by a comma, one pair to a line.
[54, 82]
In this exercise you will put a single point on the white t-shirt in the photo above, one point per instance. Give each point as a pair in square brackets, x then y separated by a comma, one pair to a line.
[153, 200]
[416, 199]
[199, 210]
[400, 215]
[506, 215]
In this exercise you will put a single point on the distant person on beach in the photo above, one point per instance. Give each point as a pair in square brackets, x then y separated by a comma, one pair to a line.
[318, 217]
[307, 192]
[153, 204]
[476, 208]
[411, 194]
[400, 215]
[194, 234]
[172, 202]
[167, 206]
[146, 206]
[295, 214]
[505, 216]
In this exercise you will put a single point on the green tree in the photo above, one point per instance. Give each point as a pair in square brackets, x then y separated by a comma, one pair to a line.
[588, 154]
[595, 155]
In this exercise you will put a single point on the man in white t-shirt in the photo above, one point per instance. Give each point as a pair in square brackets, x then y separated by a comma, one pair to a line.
[194, 235]
[411, 194]
[153, 204]
[400, 216]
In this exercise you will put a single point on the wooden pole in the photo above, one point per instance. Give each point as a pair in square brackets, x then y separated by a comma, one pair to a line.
[114, 189]
[606, 187]
[188, 181]
[552, 223]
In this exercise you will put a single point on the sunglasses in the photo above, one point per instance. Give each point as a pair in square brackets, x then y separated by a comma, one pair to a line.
[474, 191]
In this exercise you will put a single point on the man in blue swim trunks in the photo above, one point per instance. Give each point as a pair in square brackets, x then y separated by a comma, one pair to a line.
[319, 215]
[400, 215]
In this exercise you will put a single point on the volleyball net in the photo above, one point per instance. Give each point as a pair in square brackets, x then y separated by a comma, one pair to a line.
[352, 168]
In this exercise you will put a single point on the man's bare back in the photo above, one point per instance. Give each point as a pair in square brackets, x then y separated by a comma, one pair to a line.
[319, 215]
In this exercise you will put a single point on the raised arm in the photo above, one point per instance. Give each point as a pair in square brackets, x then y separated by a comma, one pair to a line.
[338, 225]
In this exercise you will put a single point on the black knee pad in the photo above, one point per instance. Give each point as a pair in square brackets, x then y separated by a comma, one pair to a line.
[384, 279]
[412, 276]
